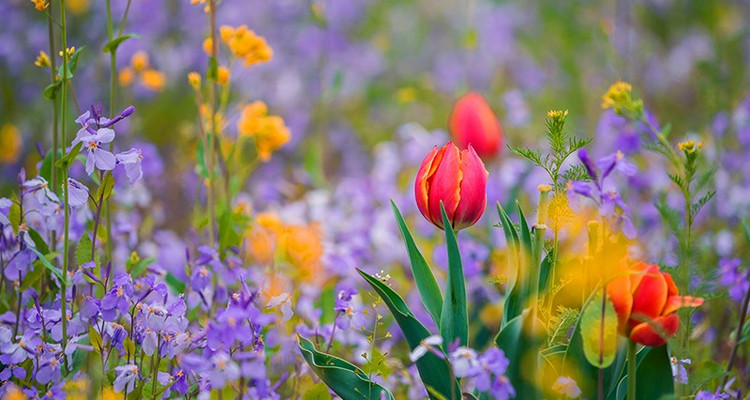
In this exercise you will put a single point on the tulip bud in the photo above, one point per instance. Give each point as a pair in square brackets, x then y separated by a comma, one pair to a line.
[646, 301]
[472, 122]
[458, 179]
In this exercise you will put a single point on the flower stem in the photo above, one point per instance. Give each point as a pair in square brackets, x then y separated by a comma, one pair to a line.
[63, 285]
[55, 133]
[214, 129]
[112, 106]
[631, 369]
[738, 334]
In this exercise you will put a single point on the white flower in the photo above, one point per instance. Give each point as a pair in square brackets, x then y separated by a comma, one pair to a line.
[425, 345]
[464, 360]
[567, 386]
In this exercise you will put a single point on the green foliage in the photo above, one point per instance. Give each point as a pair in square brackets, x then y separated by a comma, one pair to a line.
[85, 253]
[423, 277]
[454, 319]
[560, 323]
[562, 145]
[318, 392]
[174, 283]
[434, 371]
[113, 44]
[106, 186]
[599, 332]
[521, 339]
[343, 377]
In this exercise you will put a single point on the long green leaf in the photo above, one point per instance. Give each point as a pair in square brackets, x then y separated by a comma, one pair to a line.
[428, 288]
[434, 371]
[343, 377]
[49, 265]
[454, 320]
[521, 344]
[511, 307]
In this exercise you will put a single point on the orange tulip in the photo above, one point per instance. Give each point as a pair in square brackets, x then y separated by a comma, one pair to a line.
[472, 122]
[458, 179]
[646, 300]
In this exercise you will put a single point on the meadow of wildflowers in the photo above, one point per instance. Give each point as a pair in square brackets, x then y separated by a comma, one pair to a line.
[374, 199]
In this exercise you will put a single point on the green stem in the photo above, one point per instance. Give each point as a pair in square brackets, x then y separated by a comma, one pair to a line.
[63, 285]
[214, 129]
[55, 133]
[112, 106]
[631, 369]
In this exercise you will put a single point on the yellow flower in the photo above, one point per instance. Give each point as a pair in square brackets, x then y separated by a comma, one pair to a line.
[125, 76]
[619, 99]
[77, 7]
[14, 393]
[226, 32]
[70, 52]
[268, 131]
[42, 60]
[194, 79]
[690, 146]
[109, 394]
[40, 5]
[245, 44]
[153, 79]
[208, 46]
[139, 61]
[302, 247]
[10, 144]
[223, 76]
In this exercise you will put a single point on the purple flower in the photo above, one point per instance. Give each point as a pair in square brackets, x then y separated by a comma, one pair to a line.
[19, 264]
[223, 370]
[131, 160]
[126, 376]
[703, 395]
[97, 157]
[679, 371]
[11, 369]
[49, 371]
[78, 193]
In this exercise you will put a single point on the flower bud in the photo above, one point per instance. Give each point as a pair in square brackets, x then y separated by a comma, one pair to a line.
[472, 122]
[458, 179]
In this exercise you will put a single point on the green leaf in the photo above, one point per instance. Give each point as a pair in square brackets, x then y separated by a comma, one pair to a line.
[746, 229]
[228, 235]
[434, 371]
[106, 186]
[512, 306]
[138, 268]
[95, 338]
[318, 392]
[33, 276]
[654, 374]
[454, 320]
[599, 339]
[576, 364]
[45, 261]
[72, 65]
[50, 92]
[174, 283]
[213, 69]
[129, 347]
[68, 159]
[521, 343]
[343, 377]
[428, 288]
[38, 241]
[113, 44]
[83, 252]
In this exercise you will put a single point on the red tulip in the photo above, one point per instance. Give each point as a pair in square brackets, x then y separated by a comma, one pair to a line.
[458, 179]
[472, 122]
[646, 300]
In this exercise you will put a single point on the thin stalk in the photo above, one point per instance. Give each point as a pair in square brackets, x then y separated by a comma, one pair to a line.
[112, 106]
[214, 129]
[738, 334]
[601, 344]
[63, 285]
[55, 133]
[631, 369]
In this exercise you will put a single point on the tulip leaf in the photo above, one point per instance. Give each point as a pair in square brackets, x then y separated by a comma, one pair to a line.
[599, 338]
[512, 306]
[428, 288]
[576, 364]
[319, 391]
[343, 377]
[454, 320]
[654, 375]
[521, 343]
[435, 372]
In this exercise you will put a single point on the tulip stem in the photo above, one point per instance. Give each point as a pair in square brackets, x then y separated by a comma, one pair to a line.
[631, 369]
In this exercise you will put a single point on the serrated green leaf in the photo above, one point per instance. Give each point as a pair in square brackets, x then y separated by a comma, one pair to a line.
[428, 288]
[115, 43]
[599, 339]
[343, 377]
[84, 252]
[433, 370]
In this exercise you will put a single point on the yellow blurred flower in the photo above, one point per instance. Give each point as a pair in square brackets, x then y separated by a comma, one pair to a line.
[125, 76]
[153, 79]
[40, 5]
[619, 98]
[223, 75]
[77, 7]
[208, 46]
[109, 394]
[226, 32]
[42, 60]
[10, 144]
[194, 79]
[139, 61]
[268, 131]
[689, 146]
[70, 51]
[245, 44]
[302, 247]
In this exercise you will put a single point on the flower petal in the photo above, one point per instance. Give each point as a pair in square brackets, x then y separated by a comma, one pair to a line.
[655, 333]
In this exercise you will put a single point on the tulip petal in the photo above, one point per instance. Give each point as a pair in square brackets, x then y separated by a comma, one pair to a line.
[671, 287]
[674, 303]
[650, 296]
[472, 122]
[422, 182]
[656, 332]
[620, 294]
[473, 194]
[444, 185]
